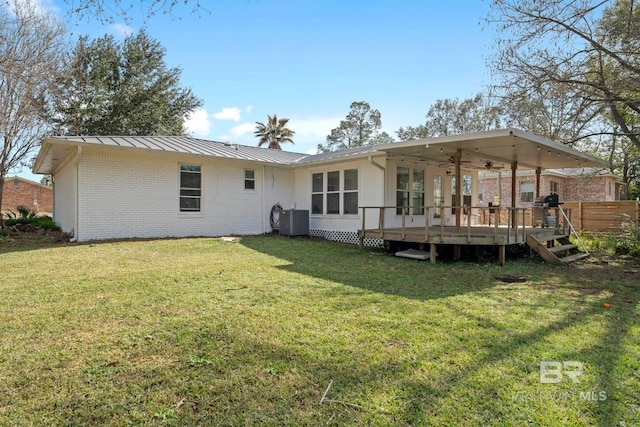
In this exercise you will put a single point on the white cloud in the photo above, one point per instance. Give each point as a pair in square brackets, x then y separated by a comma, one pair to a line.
[197, 123]
[242, 130]
[228, 114]
[39, 7]
[121, 29]
[249, 108]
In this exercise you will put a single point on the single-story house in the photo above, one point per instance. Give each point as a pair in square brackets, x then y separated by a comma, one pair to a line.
[124, 187]
[32, 195]
[581, 184]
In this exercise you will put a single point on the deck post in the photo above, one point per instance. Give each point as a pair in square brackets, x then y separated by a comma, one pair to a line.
[381, 219]
[502, 254]
[427, 219]
[456, 252]
[432, 253]
[458, 199]
[403, 223]
[441, 223]
[514, 169]
[361, 241]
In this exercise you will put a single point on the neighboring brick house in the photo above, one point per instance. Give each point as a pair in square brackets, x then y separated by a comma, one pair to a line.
[571, 185]
[22, 192]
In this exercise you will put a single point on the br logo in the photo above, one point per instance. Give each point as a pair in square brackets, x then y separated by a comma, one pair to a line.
[552, 372]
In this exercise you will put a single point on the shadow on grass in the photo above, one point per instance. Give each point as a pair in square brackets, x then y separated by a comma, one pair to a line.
[608, 402]
[373, 269]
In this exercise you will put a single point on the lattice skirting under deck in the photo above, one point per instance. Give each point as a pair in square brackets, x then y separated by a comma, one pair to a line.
[345, 237]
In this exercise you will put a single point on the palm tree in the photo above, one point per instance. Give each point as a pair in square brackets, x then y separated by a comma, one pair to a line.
[274, 133]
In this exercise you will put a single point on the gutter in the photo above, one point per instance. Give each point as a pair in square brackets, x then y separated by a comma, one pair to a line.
[379, 166]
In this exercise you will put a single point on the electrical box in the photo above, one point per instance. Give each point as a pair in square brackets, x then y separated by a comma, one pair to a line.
[294, 222]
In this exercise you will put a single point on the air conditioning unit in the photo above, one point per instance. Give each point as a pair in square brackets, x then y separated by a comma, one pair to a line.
[294, 222]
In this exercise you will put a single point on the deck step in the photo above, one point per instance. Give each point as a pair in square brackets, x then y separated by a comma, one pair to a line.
[561, 248]
[574, 257]
[550, 254]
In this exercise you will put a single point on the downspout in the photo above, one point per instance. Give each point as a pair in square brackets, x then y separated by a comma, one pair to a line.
[75, 220]
[264, 231]
[376, 164]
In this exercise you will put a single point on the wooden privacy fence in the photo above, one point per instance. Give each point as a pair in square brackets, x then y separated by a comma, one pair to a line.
[588, 216]
[603, 216]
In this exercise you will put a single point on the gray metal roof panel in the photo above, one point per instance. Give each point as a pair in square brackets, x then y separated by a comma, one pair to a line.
[187, 145]
[333, 155]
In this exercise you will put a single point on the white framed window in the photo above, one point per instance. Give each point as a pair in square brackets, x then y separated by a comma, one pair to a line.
[409, 190]
[554, 188]
[317, 193]
[340, 193]
[350, 194]
[333, 192]
[526, 191]
[190, 188]
[249, 179]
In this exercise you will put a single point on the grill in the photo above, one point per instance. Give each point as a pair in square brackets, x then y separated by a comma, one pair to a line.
[550, 201]
[542, 214]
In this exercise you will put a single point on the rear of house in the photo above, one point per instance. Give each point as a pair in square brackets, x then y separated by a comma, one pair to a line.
[164, 188]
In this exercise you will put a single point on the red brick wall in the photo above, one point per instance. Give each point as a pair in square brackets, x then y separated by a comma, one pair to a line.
[22, 192]
[574, 189]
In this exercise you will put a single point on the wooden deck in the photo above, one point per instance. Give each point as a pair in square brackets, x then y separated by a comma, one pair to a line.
[474, 235]
[514, 232]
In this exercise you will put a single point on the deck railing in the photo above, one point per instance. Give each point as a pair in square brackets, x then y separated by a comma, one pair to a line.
[470, 215]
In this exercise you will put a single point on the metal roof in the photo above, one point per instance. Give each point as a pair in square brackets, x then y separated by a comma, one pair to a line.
[492, 150]
[335, 155]
[55, 149]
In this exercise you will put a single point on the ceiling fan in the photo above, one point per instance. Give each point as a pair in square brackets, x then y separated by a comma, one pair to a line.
[452, 161]
[490, 166]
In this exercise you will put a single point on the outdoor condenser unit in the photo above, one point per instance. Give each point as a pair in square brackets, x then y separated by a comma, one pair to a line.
[294, 222]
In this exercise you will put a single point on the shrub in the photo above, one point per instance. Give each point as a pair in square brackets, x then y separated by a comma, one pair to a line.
[27, 216]
[628, 242]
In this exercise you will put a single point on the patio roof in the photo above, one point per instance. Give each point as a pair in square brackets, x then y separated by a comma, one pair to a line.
[492, 151]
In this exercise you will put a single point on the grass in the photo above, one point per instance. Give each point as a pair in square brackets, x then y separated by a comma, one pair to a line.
[206, 332]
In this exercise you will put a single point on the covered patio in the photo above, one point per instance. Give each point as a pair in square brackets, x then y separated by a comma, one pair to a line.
[470, 223]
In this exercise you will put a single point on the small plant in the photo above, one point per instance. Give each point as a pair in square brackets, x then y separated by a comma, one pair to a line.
[628, 242]
[29, 220]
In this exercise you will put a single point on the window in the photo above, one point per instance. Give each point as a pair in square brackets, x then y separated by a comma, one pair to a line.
[339, 199]
[317, 196]
[410, 190]
[526, 191]
[402, 189]
[350, 194]
[466, 191]
[190, 188]
[16, 183]
[333, 192]
[249, 179]
[418, 192]
[553, 187]
[480, 190]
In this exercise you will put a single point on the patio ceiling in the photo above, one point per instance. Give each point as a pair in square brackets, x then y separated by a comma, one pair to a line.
[491, 151]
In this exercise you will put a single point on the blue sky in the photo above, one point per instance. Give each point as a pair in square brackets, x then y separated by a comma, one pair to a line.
[308, 60]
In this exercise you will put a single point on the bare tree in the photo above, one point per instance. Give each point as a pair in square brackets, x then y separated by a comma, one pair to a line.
[589, 48]
[32, 42]
[109, 10]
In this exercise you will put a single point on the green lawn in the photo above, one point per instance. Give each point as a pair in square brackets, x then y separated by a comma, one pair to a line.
[206, 332]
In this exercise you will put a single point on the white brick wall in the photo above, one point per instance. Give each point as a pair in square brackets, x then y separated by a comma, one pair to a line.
[138, 196]
[64, 198]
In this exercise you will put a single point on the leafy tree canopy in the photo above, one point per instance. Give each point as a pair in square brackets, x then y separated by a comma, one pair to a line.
[122, 89]
[452, 116]
[360, 127]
